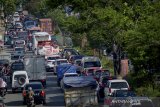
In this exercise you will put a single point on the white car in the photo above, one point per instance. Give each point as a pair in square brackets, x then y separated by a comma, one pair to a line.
[50, 65]
[53, 57]
[19, 80]
[65, 76]
[113, 85]
[58, 62]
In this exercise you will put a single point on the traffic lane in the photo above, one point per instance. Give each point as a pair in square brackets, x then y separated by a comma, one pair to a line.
[54, 95]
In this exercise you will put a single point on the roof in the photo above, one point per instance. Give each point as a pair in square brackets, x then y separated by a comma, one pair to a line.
[61, 59]
[41, 33]
[117, 80]
[20, 72]
[45, 19]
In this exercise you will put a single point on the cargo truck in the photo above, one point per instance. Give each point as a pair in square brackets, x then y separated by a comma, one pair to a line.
[80, 91]
[35, 68]
[46, 25]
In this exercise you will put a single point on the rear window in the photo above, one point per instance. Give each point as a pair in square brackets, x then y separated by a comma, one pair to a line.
[17, 66]
[61, 62]
[119, 85]
[53, 58]
[92, 64]
[34, 86]
[19, 49]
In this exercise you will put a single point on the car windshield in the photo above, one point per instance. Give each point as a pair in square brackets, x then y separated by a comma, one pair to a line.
[19, 49]
[34, 86]
[61, 62]
[92, 64]
[125, 93]
[53, 58]
[119, 85]
[17, 66]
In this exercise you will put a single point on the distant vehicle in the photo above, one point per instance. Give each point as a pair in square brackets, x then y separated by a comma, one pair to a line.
[65, 76]
[58, 62]
[19, 50]
[20, 43]
[17, 57]
[39, 92]
[35, 68]
[22, 35]
[50, 65]
[67, 52]
[47, 48]
[29, 24]
[18, 25]
[16, 18]
[113, 85]
[46, 25]
[53, 57]
[77, 62]
[72, 58]
[37, 37]
[19, 79]
[90, 61]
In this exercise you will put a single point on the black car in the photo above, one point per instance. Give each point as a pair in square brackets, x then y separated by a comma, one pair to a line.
[17, 66]
[39, 92]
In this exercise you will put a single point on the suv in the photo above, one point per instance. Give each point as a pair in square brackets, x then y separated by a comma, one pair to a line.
[113, 85]
[19, 79]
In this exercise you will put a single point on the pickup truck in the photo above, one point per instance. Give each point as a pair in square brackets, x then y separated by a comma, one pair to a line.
[80, 91]
[35, 67]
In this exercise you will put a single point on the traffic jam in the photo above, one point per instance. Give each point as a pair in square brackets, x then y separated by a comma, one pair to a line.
[33, 53]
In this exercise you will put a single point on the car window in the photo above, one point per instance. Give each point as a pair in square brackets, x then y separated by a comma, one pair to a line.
[17, 66]
[92, 64]
[19, 49]
[119, 85]
[34, 86]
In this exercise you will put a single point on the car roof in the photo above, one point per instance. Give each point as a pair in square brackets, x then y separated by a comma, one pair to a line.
[34, 83]
[20, 72]
[61, 59]
[117, 80]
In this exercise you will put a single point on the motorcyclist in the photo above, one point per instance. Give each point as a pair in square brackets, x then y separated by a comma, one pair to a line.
[3, 87]
[30, 94]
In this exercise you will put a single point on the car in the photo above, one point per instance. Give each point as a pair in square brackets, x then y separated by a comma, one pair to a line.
[19, 50]
[50, 65]
[53, 57]
[39, 92]
[65, 76]
[77, 62]
[72, 58]
[19, 79]
[16, 66]
[116, 84]
[58, 62]
[67, 52]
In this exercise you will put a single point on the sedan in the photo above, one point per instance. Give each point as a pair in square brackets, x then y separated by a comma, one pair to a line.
[39, 92]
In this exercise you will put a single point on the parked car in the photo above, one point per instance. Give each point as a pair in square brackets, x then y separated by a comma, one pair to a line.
[39, 92]
[113, 85]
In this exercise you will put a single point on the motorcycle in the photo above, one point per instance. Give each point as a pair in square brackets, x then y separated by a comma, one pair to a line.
[30, 102]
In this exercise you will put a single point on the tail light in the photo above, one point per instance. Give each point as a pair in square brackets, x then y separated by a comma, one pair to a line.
[42, 93]
[24, 93]
[109, 90]
[42, 80]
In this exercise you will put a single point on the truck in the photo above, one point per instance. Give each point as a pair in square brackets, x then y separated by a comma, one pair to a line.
[47, 48]
[80, 91]
[35, 68]
[46, 25]
[37, 37]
